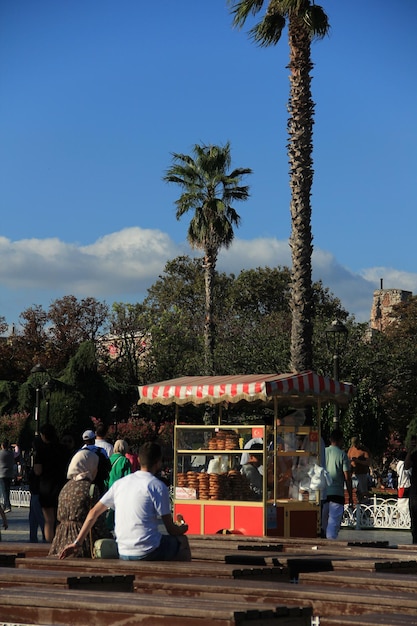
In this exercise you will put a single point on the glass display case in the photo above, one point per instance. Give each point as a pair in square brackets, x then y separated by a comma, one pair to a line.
[290, 463]
[209, 461]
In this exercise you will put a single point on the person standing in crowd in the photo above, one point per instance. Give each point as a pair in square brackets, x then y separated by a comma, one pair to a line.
[133, 457]
[50, 464]
[138, 500]
[410, 463]
[104, 465]
[359, 458]
[75, 500]
[120, 466]
[338, 466]
[101, 441]
[36, 518]
[6, 474]
[68, 440]
[403, 484]
[4, 519]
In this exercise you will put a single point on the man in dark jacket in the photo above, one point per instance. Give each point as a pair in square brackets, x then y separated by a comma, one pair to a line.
[6, 474]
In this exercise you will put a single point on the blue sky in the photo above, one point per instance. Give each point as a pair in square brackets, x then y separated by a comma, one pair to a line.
[95, 95]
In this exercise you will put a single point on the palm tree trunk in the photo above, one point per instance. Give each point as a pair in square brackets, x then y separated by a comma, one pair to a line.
[209, 329]
[300, 147]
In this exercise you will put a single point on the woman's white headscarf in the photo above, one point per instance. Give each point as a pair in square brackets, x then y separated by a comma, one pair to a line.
[83, 465]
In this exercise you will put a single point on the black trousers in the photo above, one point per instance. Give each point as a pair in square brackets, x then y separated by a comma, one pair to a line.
[413, 515]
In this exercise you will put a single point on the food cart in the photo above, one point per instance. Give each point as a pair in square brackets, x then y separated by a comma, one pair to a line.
[210, 491]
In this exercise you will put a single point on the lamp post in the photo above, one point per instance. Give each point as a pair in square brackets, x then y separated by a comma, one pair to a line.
[37, 369]
[47, 389]
[115, 412]
[336, 338]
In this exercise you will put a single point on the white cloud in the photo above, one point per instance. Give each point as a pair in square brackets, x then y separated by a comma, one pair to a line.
[122, 265]
[392, 278]
[354, 291]
[126, 261]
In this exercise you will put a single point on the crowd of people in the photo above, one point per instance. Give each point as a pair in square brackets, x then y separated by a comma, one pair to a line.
[98, 490]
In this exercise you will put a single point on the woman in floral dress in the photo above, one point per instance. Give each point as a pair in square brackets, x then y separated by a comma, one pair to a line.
[76, 498]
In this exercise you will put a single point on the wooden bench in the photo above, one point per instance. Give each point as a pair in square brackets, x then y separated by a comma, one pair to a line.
[301, 560]
[81, 607]
[25, 548]
[324, 600]
[186, 602]
[195, 580]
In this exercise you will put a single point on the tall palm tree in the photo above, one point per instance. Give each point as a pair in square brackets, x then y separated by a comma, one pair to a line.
[208, 190]
[306, 21]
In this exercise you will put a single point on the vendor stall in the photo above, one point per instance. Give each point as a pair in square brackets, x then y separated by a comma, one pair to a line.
[258, 479]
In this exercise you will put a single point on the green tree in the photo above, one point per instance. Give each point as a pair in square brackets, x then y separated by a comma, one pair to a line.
[306, 21]
[209, 190]
[252, 316]
[175, 312]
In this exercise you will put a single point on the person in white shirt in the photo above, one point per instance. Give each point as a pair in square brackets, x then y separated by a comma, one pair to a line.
[404, 484]
[101, 441]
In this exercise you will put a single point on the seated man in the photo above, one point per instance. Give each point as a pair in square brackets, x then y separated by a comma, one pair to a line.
[138, 500]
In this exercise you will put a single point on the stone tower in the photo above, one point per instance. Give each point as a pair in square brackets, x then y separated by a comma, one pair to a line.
[382, 304]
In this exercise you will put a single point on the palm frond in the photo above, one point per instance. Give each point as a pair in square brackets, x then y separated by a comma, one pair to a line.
[268, 32]
[317, 21]
[242, 9]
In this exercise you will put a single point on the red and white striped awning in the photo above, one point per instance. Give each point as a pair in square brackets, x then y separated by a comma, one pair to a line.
[307, 387]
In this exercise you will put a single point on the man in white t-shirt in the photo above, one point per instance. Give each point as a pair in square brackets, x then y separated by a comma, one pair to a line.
[138, 500]
[101, 441]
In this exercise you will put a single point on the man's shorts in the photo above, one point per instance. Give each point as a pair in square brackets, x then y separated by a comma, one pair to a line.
[166, 551]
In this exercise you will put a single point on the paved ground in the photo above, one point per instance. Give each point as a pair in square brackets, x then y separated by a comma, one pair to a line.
[19, 531]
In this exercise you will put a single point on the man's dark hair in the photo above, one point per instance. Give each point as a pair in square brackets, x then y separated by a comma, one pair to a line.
[49, 432]
[149, 454]
[101, 430]
[336, 435]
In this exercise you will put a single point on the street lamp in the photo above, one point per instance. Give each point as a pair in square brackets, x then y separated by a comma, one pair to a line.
[336, 339]
[37, 369]
[115, 411]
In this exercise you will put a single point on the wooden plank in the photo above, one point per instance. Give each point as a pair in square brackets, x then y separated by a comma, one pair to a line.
[369, 620]
[381, 581]
[64, 579]
[154, 568]
[205, 552]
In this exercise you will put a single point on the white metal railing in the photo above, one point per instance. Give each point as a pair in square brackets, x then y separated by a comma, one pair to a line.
[377, 513]
[20, 497]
